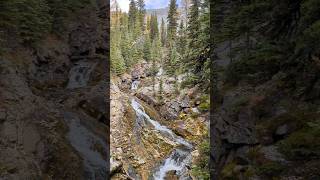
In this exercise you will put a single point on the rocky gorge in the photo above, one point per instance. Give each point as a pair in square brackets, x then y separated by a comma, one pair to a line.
[53, 112]
[153, 138]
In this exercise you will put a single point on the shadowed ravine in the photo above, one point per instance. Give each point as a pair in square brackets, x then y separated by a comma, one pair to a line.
[81, 137]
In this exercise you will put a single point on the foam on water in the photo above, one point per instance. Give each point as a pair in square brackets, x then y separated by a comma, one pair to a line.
[176, 162]
[141, 113]
[79, 75]
[135, 85]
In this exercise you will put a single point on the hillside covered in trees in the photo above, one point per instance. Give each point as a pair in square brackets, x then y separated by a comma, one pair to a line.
[159, 90]
[266, 96]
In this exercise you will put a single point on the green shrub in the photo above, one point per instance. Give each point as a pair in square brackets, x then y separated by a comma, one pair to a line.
[228, 171]
[205, 106]
[204, 103]
[270, 169]
[295, 118]
[261, 65]
[190, 81]
[304, 143]
[201, 168]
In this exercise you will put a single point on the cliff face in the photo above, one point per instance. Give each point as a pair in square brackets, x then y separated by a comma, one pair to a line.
[51, 92]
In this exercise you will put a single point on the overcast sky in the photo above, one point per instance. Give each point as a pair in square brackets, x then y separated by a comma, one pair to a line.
[150, 4]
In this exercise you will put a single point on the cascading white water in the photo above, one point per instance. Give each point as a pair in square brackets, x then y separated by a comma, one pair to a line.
[83, 141]
[179, 158]
[177, 161]
[135, 84]
[160, 72]
[79, 75]
[141, 113]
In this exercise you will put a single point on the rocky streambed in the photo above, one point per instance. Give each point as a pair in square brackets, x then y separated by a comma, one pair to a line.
[145, 142]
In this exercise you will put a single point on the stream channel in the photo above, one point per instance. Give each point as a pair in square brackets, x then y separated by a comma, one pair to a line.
[179, 158]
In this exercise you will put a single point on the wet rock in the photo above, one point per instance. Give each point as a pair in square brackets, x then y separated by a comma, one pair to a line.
[272, 153]
[171, 175]
[282, 130]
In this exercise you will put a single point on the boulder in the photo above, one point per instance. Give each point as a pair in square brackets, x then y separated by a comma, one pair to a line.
[115, 166]
[148, 99]
[171, 175]
[185, 102]
[282, 130]
[272, 153]
[171, 110]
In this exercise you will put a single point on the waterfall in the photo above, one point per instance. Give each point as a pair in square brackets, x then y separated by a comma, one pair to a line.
[84, 141]
[179, 157]
[79, 75]
[135, 84]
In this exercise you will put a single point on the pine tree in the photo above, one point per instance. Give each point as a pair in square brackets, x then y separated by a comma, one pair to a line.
[163, 33]
[160, 94]
[185, 10]
[147, 49]
[194, 24]
[132, 15]
[182, 40]
[154, 31]
[172, 21]
[193, 32]
[148, 23]
[141, 14]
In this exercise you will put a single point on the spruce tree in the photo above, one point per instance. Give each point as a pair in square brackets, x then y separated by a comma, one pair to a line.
[160, 94]
[147, 49]
[132, 15]
[172, 21]
[154, 31]
[141, 14]
[163, 32]
[182, 40]
[194, 44]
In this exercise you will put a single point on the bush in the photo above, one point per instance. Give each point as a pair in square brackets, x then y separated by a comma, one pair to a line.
[201, 168]
[302, 144]
[259, 66]
[190, 81]
[272, 169]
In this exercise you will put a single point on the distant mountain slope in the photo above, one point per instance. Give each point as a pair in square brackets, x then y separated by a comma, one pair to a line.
[163, 13]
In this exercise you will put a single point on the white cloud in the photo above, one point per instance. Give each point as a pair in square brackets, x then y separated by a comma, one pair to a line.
[124, 5]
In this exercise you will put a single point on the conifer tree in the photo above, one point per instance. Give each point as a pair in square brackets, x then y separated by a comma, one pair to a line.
[154, 31]
[141, 13]
[148, 26]
[182, 40]
[172, 21]
[147, 49]
[132, 15]
[163, 33]
[160, 94]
